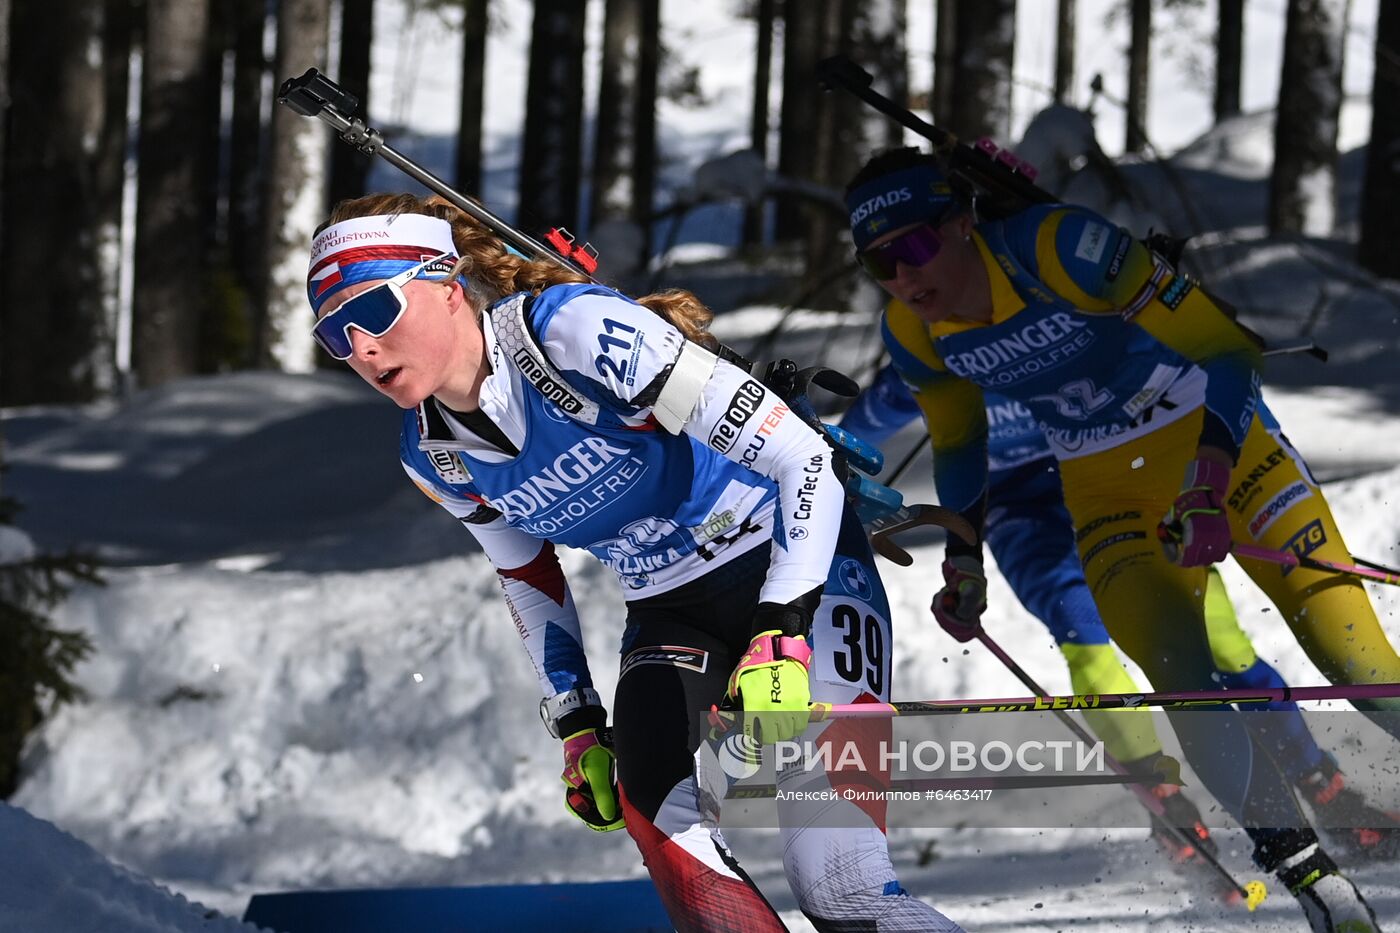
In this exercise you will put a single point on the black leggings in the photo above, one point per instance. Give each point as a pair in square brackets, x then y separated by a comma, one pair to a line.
[678, 652]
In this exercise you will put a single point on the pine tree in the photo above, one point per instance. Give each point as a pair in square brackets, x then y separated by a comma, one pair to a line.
[173, 177]
[1064, 52]
[1379, 249]
[1138, 56]
[985, 33]
[50, 325]
[551, 153]
[294, 194]
[1229, 54]
[1302, 187]
[36, 659]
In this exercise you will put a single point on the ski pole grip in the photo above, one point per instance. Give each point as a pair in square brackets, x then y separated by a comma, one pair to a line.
[312, 92]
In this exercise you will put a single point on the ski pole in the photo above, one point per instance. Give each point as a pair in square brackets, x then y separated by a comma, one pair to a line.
[1366, 570]
[972, 783]
[1252, 892]
[1309, 347]
[1170, 699]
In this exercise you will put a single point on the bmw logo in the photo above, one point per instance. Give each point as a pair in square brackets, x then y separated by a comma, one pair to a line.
[855, 579]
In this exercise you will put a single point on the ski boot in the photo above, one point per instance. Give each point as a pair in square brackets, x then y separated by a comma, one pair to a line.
[1329, 900]
[1361, 831]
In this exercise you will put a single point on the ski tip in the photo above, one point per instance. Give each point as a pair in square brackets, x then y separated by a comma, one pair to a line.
[1254, 894]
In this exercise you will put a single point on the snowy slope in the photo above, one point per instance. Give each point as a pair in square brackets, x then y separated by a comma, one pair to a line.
[55, 884]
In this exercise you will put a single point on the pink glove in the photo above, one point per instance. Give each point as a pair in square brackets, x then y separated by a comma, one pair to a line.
[1195, 530]
[590, 780]
[958, 607]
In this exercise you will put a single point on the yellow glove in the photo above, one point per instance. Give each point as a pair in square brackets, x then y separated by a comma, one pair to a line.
[771, 679]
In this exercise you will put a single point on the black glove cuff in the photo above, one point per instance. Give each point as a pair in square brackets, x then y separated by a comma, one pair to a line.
[791, 619]
[589, 717]
[976, 515]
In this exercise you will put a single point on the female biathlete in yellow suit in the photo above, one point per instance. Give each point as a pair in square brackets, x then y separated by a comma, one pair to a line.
[1032, 539]
[1137, 378]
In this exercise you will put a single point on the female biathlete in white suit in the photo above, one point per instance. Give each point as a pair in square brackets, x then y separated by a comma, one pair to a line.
[541, 409]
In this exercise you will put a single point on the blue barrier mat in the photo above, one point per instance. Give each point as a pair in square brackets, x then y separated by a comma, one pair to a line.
[600, 907]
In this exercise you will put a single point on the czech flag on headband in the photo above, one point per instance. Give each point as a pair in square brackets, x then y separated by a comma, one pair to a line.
[328, 276]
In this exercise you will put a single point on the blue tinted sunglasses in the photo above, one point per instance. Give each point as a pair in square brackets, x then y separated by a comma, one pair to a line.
[913, 248]
[374, 311]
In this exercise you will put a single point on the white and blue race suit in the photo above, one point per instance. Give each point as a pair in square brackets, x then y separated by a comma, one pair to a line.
[706, 495]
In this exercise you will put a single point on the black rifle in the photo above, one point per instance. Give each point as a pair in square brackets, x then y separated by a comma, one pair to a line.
[995, 175]
[1001, 187]
[314, 95]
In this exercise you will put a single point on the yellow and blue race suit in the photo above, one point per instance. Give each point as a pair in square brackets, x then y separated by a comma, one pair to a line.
[1032, 540]
[1129, 367]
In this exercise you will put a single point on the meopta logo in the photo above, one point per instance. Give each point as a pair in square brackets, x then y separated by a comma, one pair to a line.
[743, 406]
[1276, 506]
[879, 203]
[541, 380]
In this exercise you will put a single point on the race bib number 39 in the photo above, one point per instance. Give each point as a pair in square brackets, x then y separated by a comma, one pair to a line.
[851, 644]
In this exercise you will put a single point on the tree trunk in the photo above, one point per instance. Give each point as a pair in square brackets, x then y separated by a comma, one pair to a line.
[209, 132]
[245, 145]
[1229, 58]
[986, 36]
[877, 40]
[799, 118]
[4, 94]
[170, 287]
[758, 123]
[1380, 221]
[644, 145]
[1139, 50]
[842, 132]
[119, 33]
[550, 161]
[50, 295]
[472, 104]
[625, 139]
[349, 166]
[1302, 188]
[945, 59]
[1064, 53]
[295, 200]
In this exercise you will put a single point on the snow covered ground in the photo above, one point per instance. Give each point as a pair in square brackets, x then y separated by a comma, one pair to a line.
[304, 675]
